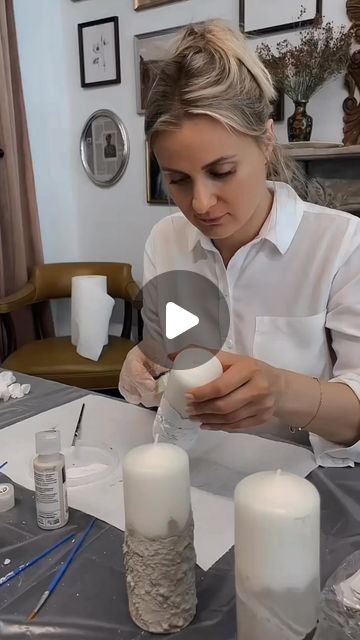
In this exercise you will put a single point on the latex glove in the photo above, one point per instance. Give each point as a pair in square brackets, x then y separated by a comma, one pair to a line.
[6, 378]
[9, 388]
[19, 390]
[138, 382]
[4, 392]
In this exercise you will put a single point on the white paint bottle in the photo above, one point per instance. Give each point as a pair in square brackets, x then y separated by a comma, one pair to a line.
[50, 481]
[192, 368]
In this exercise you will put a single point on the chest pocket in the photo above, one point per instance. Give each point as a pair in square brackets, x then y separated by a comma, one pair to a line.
[298, 344]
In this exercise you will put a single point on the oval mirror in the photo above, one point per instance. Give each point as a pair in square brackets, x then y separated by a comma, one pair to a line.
[104, 148]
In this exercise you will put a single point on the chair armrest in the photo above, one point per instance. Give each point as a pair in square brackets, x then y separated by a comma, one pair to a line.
[134, 294]
[19, 299]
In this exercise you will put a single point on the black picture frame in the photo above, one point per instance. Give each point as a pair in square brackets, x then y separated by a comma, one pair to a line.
[86, 53]
[156, 191]
[278, 112]
[281, 27]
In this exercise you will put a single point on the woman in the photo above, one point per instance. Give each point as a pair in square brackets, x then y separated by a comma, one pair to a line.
[291, 269]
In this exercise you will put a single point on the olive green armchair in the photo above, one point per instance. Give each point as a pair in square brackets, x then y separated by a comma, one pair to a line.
[56, 358]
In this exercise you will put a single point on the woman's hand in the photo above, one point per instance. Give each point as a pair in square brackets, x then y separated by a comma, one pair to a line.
[245, 396]
[138, 379]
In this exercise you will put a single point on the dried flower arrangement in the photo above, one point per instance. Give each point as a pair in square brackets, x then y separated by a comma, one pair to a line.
[300, 69]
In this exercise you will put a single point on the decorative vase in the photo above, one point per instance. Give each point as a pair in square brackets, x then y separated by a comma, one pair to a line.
[300, 123]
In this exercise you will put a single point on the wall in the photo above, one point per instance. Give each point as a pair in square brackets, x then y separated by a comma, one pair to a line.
[47, 99]
[80, 221]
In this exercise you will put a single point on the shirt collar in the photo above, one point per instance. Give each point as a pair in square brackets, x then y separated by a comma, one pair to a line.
[279, 227]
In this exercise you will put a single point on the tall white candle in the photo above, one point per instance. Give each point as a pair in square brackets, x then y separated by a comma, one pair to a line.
[159, 553]
[156, 489]
[277, 556]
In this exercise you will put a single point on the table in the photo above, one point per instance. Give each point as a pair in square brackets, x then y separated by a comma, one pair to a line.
[91, 602]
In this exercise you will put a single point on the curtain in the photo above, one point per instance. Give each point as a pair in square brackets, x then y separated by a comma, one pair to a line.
[20, 240]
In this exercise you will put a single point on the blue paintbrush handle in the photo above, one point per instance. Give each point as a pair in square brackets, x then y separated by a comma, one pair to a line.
[30, 563]
[68, 561]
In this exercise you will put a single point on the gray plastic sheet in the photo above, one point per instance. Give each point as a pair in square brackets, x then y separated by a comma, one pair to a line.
[91, 603]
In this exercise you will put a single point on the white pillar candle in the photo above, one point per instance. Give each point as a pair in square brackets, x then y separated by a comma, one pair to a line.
[277, 556]
[192, 368]
[159, 553]
[156, 489]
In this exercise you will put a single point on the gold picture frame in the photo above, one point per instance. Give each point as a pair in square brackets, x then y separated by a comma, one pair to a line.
[139, 5]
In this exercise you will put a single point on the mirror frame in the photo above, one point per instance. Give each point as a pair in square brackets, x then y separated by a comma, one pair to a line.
[126, 152]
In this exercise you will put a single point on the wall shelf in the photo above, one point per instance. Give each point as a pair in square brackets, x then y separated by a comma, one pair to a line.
[317, 153]
[335, 170]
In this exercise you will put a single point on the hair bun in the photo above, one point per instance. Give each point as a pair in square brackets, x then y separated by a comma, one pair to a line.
[222, 53]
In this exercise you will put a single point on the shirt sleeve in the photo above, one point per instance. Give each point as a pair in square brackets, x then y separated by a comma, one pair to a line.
[343, 321]
[343, 313]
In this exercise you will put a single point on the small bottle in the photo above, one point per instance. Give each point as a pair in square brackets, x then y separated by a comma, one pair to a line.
[193, 367]
[50, 481]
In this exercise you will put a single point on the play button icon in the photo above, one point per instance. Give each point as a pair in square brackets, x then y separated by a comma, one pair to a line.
[178, 320]
[180, 309]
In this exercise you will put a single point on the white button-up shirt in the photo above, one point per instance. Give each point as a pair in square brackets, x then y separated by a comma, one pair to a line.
[293, 291]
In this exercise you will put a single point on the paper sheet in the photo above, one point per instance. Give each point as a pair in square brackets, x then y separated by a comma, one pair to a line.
[218, 461]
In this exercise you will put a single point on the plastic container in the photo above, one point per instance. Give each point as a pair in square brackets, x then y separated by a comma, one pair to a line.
[89, 462]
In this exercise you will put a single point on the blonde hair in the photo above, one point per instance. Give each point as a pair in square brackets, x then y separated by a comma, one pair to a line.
[212, 71]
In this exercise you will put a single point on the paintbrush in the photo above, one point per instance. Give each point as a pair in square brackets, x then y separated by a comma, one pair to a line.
[30, 563]
[77, 429]
[57, 578]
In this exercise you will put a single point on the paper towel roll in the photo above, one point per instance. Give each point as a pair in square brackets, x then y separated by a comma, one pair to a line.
[77, 284]
[91, 310]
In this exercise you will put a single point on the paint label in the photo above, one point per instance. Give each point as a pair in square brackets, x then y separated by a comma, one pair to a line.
[51, 498]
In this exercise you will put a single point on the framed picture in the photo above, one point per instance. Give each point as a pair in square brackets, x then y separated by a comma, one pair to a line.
[147, 4]
[278, 112]
[156, 189]
[264, 16]
[104, 148]
[150, 50]
[99, 52]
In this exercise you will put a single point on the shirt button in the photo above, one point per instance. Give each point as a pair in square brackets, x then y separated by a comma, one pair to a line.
[229, 344]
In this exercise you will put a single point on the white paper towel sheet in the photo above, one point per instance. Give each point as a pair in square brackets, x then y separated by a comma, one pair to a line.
[218, 461]
[91, 309]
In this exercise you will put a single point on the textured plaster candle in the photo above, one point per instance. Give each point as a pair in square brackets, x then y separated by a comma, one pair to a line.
[159, 549]
[277, 551]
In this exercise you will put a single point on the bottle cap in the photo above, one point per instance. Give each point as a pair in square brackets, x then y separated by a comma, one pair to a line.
[47, 442]
[7, 497]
